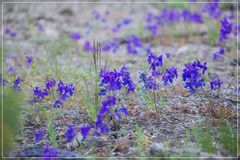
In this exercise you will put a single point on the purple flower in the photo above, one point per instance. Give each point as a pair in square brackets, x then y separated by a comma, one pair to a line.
[226, 28]
[37, 93]
[212, 9]
[11, 70]
[216, 83]
[50, 84]
[95, 14]
[57, 103]
[10, 33]
[149, 82]
[49, 152]
[29, 60]
[85, 130]
[154, 62]
[168, 76]
[70, 133]
[113, 45]
[39, 135]
[193, 75]
[40, 27]
[75, 36]
[218, 54]
[104, 129]
[65, 90]
[168, 55]
[88, 47]
[133, 42]
[124, 110]
[17, 81]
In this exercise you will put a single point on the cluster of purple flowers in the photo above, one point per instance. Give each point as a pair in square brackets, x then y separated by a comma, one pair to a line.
[108, 110]
[49, 152]
[16, 84]
[29, 60]
[193, 75]
[118, 26]
[132, 43]
[218, 54]
[70, 133]
[112, 45]
[212, 9]
[50, 84]
[169, 16]
[40, 94]
[215, 83]
[113, 80]
[148, 81]
[168, 76]
[65, 90]
[154, 62]
[10, 33]
[97, 16]
[226, 28]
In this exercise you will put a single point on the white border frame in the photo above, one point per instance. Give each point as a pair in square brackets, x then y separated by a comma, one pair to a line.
[76, 2]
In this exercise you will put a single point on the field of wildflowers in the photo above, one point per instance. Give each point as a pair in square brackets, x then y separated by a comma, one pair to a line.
[120, 80]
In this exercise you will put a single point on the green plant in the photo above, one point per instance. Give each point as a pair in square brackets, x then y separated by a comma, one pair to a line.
[228, 137]
[140, 139]
[204, 139]
[13, 103]
[51, 132]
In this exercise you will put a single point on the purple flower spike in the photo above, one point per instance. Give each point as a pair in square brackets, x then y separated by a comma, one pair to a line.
[168, 76]
[39, 135]
[124, 110]
[216, 84]
[193, 75]
[226, 28]
[70, 133]
[29, 60]
[49, 152]
[85, 130]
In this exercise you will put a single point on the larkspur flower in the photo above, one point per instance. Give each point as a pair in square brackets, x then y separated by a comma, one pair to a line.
[65, 90]
[218, 54]
[168, 76]
[87, 46]
[38, 93]
[70, 133]
[216, 84]
[49, 152]
[154, 62]
[39, 135]
[29, 60]
[10, 33]
[50, 84]
[213, 9]
[193, 75]
[104, 129]
[57, 103]
[148, 81]
[11, 70]
[75, 36]
[226, 28]
[85, 130]
[17, 81]
[124, 110]
[132, 43]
